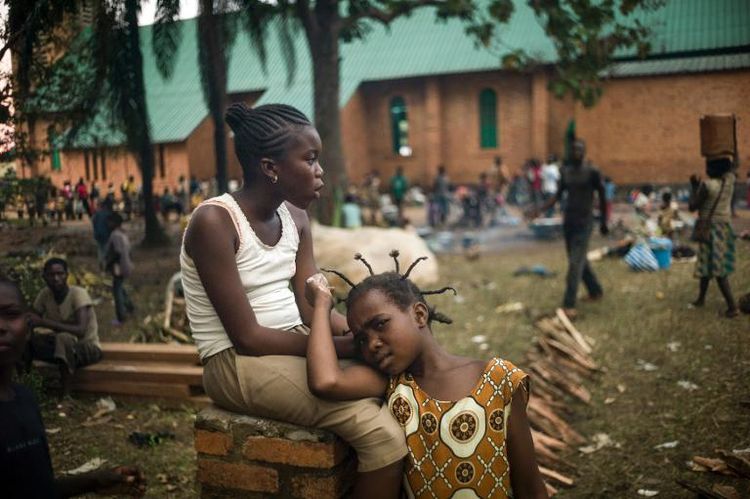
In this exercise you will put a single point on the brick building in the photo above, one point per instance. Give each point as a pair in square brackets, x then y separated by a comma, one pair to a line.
[422, 94]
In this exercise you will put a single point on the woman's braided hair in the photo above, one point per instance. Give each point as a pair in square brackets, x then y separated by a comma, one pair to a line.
[262, 132]
[397, 287]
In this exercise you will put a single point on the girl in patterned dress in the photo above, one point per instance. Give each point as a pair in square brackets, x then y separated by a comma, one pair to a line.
[712, 198]
[465, 419]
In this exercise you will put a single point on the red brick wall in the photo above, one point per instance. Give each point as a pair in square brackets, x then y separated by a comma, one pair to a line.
[119, 164]
[354, 138]
[201, 155]
[377, 97]
[646, 129]
[443, 115]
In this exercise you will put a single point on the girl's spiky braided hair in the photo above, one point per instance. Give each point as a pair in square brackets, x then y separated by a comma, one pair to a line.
[397, 287]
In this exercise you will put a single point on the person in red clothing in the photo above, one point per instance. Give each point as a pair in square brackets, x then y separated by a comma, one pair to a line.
[82, 193]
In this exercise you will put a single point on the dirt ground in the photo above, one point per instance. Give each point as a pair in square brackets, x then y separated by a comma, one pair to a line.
[642, 321]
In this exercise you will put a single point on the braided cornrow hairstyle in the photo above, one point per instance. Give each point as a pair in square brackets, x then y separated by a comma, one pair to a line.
[397, 287]
[262, 132]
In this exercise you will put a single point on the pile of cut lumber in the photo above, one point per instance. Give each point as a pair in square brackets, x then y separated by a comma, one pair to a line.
[142, 369]
[558, 364]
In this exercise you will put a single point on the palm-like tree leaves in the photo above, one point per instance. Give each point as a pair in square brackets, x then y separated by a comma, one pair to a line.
[166, 35]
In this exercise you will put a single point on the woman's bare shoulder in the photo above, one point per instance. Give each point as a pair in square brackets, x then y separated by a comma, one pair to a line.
[299, 216]
[206, 223]
[210, 216]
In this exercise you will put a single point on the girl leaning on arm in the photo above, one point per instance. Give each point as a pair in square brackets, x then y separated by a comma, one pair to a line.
[464, 419]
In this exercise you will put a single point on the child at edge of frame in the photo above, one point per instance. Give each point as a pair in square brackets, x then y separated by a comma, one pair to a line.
[25, 464]
[464, 416]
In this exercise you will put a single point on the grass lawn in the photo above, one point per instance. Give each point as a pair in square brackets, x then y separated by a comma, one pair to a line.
[640, 315]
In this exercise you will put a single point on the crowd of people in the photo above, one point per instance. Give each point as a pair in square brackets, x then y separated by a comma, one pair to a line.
[39, 201]
[264, 324]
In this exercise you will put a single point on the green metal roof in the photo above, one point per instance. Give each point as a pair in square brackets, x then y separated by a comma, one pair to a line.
[699, 64]
[698, 25]
[417, 46]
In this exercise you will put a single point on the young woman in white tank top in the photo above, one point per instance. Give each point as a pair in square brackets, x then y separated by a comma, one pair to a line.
[245, 259]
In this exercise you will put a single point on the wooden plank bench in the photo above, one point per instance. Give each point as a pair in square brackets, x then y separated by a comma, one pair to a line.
[161, 352]
[141, 369]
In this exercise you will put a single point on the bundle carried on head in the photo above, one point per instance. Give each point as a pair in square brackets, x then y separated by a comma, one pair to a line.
[718, 136]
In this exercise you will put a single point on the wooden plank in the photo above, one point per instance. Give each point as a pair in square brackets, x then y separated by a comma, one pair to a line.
[156, 352]
[166, 390]
[148, 372]
[577, 336]
[556, 477]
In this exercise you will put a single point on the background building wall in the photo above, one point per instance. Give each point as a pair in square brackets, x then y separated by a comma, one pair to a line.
[645, 129]
[354, 139]
[377, 98]
[464, 158]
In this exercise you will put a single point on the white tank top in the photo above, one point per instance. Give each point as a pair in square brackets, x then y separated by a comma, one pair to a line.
[265, 272]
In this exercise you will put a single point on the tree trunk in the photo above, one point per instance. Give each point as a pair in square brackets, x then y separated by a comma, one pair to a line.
[213, 66]
[139, 135]
[324, 49]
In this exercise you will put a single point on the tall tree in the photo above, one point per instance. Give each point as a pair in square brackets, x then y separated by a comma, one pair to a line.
[116, 46]
[218, 25]
[29, 27]
[213, 60]
[586, 35]
[103, 67]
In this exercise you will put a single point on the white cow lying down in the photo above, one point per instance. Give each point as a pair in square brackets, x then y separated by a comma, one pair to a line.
[335, 249]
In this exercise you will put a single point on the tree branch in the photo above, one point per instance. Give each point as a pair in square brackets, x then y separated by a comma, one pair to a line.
[385, 17]
[304, 14]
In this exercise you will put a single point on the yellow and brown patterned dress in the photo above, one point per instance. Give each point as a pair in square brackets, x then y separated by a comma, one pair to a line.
[457, 448]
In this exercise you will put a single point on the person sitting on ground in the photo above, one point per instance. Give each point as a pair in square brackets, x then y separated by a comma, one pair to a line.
[668, 214]
[66, 320]
[468, 415]
[712, 199]
[25, 464]
[351, 212]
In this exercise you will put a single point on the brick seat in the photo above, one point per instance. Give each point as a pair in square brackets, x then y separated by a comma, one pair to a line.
[244, 456]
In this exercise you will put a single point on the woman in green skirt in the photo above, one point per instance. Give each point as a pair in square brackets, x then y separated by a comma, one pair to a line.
[712, 198]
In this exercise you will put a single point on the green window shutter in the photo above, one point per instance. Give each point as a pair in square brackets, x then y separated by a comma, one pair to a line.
[488, 119]
[399, 125]
[55, 161]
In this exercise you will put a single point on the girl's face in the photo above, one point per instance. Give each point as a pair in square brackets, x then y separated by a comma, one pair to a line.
[299, 172]
[14, 330]
[389, 338]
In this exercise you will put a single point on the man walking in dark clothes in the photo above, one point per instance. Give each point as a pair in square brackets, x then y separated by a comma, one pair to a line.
[577, 185]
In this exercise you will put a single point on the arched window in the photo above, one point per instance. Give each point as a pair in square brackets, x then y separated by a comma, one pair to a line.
[400, 127]
[488, 119]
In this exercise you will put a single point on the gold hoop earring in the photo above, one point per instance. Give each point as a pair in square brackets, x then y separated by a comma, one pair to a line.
[274, 179]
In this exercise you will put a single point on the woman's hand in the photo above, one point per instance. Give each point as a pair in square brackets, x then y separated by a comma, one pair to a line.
[317, 288]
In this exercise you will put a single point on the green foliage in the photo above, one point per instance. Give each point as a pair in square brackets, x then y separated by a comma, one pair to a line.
[27, 273]
[166, 35]
[586, 36]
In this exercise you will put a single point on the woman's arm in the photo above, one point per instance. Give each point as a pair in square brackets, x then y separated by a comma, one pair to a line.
[525, 478]
[698, 193]
[324, 376]
[211, 241]
[306, 267]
